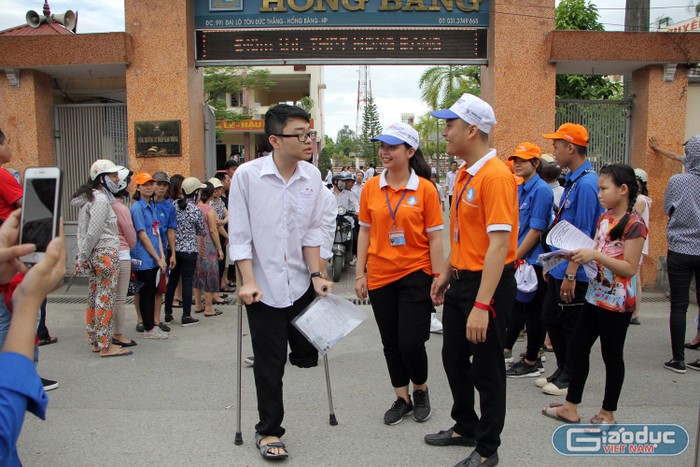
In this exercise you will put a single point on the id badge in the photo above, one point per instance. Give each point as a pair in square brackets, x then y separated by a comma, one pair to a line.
[396, 237]
[455, 233]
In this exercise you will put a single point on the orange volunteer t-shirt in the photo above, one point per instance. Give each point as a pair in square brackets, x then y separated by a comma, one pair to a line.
[488, 203]
[418, 214]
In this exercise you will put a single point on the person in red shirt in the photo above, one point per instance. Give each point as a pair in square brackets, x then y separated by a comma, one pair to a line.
[481, 280]
[400, 241]
[10, 189]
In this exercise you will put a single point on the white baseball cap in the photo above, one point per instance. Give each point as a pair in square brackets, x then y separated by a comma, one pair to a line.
[216, 182]
[190, 184]
[472, 110]
[399, 133]
[641, 174]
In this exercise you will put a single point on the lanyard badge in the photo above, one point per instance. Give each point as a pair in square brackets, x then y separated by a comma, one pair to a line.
[396, 234]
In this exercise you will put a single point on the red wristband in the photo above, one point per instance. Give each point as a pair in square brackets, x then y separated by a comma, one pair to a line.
[436, 275]
[485, 307]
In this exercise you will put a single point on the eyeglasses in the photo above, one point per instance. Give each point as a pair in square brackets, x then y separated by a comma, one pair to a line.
[302, 137]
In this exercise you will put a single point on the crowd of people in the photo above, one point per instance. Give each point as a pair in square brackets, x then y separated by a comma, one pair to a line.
[181, 238]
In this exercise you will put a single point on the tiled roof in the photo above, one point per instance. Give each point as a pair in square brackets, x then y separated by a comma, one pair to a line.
[44, 29]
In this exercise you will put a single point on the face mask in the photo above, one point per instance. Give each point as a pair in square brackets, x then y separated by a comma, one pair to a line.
[111, 186]
[341, 186]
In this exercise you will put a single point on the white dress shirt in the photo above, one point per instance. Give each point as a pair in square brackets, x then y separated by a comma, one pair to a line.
[274, 220]
[450, 181]
[348, 199]
[330, 211]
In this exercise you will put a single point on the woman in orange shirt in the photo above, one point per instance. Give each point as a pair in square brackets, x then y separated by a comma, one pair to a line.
[400, 243]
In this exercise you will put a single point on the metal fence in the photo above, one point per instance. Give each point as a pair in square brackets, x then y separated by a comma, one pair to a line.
[84, 133]
[608, 125]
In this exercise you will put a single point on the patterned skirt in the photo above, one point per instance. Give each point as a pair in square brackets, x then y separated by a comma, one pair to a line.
[206, 274]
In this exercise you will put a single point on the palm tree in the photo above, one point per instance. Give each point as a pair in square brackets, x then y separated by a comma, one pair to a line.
[440, 86]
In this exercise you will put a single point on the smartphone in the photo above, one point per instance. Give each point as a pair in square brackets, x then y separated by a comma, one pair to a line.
[41, 209]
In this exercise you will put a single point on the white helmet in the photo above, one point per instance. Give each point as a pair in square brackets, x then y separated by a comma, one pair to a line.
[642, 175]
[123, 174]
[103, 166]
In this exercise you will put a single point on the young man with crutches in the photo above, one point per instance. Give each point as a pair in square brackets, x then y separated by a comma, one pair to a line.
[275, 240]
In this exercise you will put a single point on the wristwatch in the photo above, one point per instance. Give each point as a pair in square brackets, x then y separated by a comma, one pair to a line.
[315, 274]
[571, 277]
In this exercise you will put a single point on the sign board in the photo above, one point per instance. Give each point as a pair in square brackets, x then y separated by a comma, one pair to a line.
[689, 25]
[244, 125]
[326, 32]
[235, 14]
[157, 138]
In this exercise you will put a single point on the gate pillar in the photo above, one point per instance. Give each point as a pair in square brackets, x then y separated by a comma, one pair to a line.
[519, 82]
[162, 82]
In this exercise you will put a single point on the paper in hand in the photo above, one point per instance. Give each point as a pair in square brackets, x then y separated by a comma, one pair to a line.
[327, 320]
[567, 238]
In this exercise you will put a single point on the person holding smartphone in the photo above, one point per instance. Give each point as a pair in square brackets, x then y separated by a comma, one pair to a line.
[98, 253]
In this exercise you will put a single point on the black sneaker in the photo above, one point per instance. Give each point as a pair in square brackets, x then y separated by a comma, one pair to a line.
[169, 318]
[694, 365]
[188, 321]
[522, 370]
[398, 411]
[421, 405]
[164, 327]
[140, 328]
[49, 384]
[676, 367]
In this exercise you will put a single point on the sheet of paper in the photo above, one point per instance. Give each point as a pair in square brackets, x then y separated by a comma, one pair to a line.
[553, 259]
[328, 320]
[565, 236]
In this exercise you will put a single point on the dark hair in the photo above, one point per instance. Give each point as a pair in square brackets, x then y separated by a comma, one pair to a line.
[2, 137]
[550, 171]
[276, 118]
[643, 187]
[371, 164]
[176, 186]
[581, 150]
[622, 174]
[230, 163]
[206, 193]
[418, 164]
[220, 175]
[86, 189]
[182, 202]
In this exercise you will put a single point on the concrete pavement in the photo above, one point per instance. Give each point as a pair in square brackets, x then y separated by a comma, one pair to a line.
[167, 403]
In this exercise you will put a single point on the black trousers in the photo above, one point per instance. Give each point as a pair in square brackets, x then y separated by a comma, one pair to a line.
[42, 332]
[147, 296]
[611, 327]
[271, 329]
[560, 319]
[681, 269]
[185, 267]
[402, 311]
[485, 372]
[529, 314]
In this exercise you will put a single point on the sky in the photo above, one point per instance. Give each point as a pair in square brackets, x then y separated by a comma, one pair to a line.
[395, 88]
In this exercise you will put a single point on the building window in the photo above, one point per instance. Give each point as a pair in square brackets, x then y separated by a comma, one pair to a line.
[236, 99]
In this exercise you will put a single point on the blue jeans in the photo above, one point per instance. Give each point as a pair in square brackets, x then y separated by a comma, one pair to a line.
[681, 269]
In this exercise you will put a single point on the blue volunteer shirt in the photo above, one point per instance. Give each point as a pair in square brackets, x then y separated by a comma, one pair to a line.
[536, 201]
[21, 391]
[145, 218]
[581, 209]
[167, 218]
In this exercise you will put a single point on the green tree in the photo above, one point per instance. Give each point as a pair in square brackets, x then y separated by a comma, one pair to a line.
[370, 127]
[582, 15]
[429, 129]
[346, 142]
[325, 158]
[306, 103]
[440, 86]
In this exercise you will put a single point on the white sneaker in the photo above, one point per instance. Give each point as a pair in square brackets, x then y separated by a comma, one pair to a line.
[435, 324]
[541, 382]
[155, 333]
[353, 261]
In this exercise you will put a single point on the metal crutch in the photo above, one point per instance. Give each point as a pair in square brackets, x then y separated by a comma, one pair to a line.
[331, 418]
[239, 350]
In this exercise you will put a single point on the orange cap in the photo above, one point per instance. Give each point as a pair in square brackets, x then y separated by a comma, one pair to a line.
[143, 178]
[571, 132]
[526, 151]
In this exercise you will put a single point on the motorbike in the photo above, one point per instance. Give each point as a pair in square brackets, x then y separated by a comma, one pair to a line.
[342, 243]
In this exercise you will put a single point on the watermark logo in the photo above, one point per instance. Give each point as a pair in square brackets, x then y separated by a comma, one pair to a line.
[620, 440]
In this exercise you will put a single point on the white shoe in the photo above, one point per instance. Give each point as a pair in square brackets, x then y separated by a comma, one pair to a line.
[435, 324]
[353, 261]
[155, 333]
[541, 382]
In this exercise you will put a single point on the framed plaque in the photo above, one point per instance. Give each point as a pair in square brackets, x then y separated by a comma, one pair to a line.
[158, 138]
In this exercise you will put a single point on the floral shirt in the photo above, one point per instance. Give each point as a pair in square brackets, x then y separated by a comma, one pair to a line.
[190, 223]
[608, 290]
[219, 207]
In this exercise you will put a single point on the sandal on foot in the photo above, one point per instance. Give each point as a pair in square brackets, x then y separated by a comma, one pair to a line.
[49, 340]
[598, 420]
[131, 343]
[199, 311]
[120, 353]
[216, 313]
[551, 412]
[177, 303]
[265, 448]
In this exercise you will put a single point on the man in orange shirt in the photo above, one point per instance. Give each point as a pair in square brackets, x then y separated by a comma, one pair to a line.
[480, 275]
